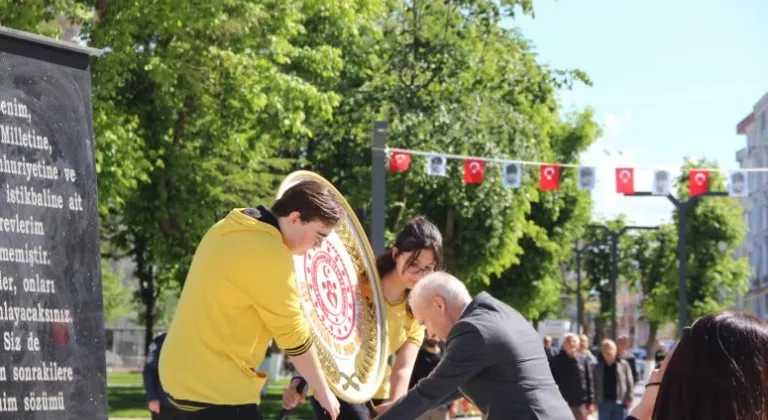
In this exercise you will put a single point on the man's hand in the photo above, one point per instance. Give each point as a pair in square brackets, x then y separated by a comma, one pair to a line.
[291, 397]
[628, 404]
[154, 406]
[381, 408]
[592, 408]
[329, 402]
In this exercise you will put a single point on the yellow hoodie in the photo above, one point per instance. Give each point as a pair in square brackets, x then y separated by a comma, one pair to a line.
[238, 296]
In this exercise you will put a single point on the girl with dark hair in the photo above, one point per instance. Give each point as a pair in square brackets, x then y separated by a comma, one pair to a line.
[718, 371]
[417, 251]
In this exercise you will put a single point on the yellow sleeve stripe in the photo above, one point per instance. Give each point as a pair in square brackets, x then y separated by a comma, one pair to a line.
[185, 407]
[298, 351]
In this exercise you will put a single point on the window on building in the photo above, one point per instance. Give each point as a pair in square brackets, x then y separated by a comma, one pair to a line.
[756, 221]
[762, 122]
[747, 215]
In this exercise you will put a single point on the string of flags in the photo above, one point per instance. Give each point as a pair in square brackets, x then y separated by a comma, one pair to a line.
[549, 173]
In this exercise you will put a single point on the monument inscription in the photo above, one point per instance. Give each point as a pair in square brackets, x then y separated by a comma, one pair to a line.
[52, 359]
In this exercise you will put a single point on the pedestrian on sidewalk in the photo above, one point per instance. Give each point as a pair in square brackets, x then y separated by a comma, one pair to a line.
[573, 374]
[614, 385]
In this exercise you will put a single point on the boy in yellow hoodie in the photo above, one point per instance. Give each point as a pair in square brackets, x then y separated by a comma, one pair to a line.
[238, 296]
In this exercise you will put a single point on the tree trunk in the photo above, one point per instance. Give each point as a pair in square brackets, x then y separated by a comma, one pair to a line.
[147, 290]
[650, 346]
[448, 234]
[599, 333]
[398, 209]
[149, 322]
[580, 314]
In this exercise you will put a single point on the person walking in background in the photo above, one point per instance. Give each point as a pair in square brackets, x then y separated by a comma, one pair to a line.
[584, 349]
[613, 384]
[426, 361]
[573, 374]
[157, 402]
[622, 348]
[548, 348]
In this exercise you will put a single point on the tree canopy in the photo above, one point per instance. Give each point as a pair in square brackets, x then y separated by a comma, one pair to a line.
[202, 107]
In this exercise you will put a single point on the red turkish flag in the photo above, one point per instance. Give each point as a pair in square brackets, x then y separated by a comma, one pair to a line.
[698, 182]
[399, 162]
[625, 180]
[474, 171]
[549, 177]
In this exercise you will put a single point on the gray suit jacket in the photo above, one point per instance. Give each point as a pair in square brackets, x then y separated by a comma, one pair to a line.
[494, 358]
[624, 382]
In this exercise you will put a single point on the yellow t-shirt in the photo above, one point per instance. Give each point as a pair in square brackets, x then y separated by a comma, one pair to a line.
[239, 295]
[401, 327]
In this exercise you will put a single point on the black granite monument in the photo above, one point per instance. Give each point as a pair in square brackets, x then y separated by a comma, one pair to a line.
[52, 361]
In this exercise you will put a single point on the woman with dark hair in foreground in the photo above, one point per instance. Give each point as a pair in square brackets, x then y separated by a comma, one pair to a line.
[718, 371]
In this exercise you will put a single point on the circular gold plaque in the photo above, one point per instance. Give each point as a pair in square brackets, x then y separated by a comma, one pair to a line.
[343, 303]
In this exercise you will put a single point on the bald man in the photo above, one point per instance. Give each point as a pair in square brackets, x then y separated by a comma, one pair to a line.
[493, 357]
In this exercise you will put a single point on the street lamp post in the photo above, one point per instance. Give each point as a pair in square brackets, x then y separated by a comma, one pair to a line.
[615, 235]
[378, 185]
[682, 245]
[579, 246]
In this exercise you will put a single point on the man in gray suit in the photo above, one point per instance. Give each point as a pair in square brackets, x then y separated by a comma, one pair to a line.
[493, 357]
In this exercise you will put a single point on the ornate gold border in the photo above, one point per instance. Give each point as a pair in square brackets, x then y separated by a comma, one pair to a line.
[378, 295]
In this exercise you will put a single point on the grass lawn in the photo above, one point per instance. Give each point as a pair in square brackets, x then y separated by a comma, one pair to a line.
[124, 379]
[129, 401]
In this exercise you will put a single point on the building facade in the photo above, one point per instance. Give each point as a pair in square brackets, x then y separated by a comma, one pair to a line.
[755, 155]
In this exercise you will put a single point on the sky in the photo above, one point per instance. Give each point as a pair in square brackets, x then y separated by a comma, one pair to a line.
[670, 79]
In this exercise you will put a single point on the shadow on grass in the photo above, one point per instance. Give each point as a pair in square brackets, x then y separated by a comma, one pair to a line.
[127, 402]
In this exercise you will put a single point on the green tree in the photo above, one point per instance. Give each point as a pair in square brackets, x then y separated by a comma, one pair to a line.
[449, 78]
[117, 298]
[206, 99]
[655, 257]
[535, 284]
[714, 276]
[598, 265]
[42, 17]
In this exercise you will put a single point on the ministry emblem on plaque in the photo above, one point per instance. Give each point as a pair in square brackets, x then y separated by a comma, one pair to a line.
[342, 301]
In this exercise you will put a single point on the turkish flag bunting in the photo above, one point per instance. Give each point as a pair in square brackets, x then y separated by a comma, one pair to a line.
[625, 180]
[474, 171]
[399, 162]
[549, 177]
[698, 182]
